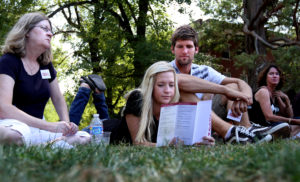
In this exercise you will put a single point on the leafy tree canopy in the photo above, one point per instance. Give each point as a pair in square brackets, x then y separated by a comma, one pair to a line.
[10, 12]
[268, 26]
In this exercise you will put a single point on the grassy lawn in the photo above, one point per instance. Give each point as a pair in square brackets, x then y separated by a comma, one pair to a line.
[277, 161]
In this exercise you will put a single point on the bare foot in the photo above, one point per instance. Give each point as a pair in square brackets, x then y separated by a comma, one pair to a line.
[9, 136]
[80, 138]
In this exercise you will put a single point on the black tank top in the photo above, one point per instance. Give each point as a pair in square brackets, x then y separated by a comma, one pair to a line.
[257, 116]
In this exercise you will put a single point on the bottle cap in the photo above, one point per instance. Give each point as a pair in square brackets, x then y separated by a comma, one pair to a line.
[96, 115]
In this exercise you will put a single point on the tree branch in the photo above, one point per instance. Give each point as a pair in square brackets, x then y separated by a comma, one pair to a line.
[67, 6]
[65, 32]
[69, 19]
[153, 18]
[286, 42]
[121, 94]
[270, 13]
[255, 35]
[125, 18]
[78, 17]
[123, 21]
[64, 58]
[131, 10]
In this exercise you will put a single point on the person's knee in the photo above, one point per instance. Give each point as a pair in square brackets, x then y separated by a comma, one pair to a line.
[11, 137]
[219, 105]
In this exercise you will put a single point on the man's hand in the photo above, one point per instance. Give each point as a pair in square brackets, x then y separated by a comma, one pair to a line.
[238, 96]
[238, 107]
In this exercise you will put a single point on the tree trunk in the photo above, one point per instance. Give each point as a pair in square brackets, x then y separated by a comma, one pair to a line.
[139, 57]
[139, 62]
[94, 51]
[252, 45]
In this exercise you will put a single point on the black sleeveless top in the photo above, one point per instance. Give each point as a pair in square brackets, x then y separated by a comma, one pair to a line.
[257, 116]
[120, 132]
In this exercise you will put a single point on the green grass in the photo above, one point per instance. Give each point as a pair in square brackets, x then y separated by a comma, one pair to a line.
[278, 161]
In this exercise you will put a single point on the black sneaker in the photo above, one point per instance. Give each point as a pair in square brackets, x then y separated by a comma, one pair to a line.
[281, 130]
[94, 81]
[97, 81]
[240, 135]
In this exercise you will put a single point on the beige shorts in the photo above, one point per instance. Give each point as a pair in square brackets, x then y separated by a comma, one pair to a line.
[34, 136]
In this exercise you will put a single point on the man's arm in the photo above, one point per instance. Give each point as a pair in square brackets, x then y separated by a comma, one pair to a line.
[242, 86]
[191, 84]
[239, 106]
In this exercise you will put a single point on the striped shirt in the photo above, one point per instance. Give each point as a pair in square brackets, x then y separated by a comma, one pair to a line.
[204, 72]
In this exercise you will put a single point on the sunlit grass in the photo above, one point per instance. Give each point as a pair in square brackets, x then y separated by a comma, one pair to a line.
[278, 161]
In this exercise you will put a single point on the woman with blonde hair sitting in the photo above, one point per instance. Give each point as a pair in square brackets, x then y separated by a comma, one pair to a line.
[142, 111]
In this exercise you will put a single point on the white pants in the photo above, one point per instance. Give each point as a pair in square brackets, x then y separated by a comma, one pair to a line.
[34, 136]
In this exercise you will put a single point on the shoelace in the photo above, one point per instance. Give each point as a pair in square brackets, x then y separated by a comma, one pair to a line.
[244, 131]
[253, 126]
[256, 125]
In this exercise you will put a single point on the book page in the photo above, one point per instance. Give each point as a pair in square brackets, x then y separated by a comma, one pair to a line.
[166, 129]
[202, 121]
[185, 122]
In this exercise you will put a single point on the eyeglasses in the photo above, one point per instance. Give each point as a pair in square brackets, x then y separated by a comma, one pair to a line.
[46, 29]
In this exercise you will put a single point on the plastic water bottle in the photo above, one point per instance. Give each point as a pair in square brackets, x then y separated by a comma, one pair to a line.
[96, 129]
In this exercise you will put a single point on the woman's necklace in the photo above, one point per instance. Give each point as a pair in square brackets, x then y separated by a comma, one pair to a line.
[30, 68]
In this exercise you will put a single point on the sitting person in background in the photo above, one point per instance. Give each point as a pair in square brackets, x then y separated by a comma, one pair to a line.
[271, 106]
[27, 81]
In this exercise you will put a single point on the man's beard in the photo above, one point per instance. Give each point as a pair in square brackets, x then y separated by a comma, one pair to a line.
[184, 63]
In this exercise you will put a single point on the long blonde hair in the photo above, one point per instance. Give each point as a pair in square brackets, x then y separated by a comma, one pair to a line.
[15, 42]
[146, 88]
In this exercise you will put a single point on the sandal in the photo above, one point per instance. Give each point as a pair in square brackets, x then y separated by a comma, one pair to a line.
[97, 82]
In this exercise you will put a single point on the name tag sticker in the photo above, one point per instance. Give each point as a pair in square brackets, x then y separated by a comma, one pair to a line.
[45, 74]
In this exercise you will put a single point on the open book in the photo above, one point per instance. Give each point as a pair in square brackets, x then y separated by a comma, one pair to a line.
[187, 121]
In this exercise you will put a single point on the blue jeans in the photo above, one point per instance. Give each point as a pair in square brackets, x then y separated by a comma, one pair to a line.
[81, 100]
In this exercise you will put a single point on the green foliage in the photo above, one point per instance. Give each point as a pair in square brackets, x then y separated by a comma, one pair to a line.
[228, 10]
[245, 60]
[10, 12]
[102, 45]
[50, 112]
[288, 59]
[217, 36]
[228, 17]
[276, 161]
[205, 59]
